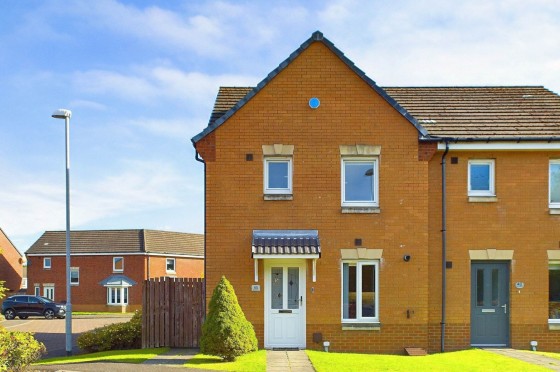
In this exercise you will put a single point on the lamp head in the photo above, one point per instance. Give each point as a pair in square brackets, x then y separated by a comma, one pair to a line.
[62, 114]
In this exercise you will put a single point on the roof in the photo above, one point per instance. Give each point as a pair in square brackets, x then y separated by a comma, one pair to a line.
[120, 241]
[286, 242]
[480, 113]
[10, 243]
[117, 281]
[317, 36]
[476, 113]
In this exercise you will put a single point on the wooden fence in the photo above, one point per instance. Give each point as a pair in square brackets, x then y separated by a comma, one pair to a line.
[172, 312]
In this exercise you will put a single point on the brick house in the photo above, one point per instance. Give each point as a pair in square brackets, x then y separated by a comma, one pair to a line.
[11, 264]
[383, 218]
[108, 267]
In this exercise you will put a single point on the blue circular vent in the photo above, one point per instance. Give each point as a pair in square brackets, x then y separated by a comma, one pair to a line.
[314, 102]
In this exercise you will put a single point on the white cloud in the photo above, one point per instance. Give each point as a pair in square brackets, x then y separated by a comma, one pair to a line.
[82, 103]
[145, 84]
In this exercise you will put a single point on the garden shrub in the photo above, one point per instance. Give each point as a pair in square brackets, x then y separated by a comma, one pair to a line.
[226, 332]
[116, 336]
[18, 350]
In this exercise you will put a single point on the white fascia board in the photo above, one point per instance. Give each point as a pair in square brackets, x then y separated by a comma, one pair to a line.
[501, 146]
[115, 254]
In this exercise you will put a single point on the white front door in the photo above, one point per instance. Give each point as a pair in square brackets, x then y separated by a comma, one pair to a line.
[284, 317]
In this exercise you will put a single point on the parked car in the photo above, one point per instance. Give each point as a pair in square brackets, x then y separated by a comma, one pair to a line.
[24, 306]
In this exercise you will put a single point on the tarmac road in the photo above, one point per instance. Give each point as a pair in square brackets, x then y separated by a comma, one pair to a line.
[52, 332]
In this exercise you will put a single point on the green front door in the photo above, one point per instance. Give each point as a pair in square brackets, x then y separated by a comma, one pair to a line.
[490, 304]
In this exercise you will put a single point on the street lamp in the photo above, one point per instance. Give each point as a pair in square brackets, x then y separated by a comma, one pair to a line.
[66, 114]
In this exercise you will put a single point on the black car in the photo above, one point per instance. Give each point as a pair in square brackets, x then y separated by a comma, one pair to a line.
[24, 306]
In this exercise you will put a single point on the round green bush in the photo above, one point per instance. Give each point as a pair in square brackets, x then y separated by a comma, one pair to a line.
[226, 332]
[18, 350]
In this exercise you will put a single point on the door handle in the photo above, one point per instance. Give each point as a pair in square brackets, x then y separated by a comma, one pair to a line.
[505, 308]
[300, 300]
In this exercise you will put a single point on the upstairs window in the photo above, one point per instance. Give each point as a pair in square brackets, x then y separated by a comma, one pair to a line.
[74, 275]
[118, 264]
[360, 182]
[554, 184]
[277, 175]
[481, 178]
[46, 263]
[170, 265]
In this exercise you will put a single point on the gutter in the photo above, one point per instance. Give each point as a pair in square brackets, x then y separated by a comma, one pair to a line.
[443, 246]
[199, 159]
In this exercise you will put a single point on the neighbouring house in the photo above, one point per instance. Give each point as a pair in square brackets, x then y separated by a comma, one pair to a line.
[11, 265]
[108, 267]
[378, 219]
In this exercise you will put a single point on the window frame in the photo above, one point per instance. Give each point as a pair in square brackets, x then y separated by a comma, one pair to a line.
[375, 188]
[555, 264]
[491, 177]
[278, 191]
[167, 260]
[46, 288]
[114, 261]
[123, 297]
[359, 264]
[37, 290]
[76, 270]
[555, 205]
[45, 266]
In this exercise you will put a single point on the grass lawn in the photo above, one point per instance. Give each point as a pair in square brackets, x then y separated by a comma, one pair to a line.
[136, 356]
[467, 360]
[250, 362]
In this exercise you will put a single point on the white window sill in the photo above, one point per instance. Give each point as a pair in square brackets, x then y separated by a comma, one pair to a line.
[483, 199]
[553, 325]
[554, 210]
[117, 305]
[371, 326]
[278, 197]
[370, 210]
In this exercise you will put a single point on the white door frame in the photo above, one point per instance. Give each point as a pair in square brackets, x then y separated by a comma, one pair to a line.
[302, 264]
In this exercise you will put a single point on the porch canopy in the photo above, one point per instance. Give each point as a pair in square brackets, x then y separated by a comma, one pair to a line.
[117, 281]
[285, 244]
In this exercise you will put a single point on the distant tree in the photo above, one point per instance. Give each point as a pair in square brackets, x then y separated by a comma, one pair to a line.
[226, 333]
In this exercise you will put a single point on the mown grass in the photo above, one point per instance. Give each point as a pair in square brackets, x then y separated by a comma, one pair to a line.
[464, 361]
[135, 356]
[250, 362]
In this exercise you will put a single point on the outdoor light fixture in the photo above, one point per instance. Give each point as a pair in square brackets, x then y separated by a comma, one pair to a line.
[66, 114]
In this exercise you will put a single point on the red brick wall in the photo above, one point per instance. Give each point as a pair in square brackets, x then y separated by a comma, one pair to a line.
[518, 221]
[350, 113]
[89, 294]
[184, 267]
[11, 264]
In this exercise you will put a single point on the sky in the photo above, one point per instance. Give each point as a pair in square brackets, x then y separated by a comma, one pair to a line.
[140, 78]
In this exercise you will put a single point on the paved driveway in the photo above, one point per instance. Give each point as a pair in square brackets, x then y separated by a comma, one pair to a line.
[52, 332]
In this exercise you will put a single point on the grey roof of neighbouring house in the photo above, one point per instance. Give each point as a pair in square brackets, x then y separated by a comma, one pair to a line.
[285, 242]
[120, 241]
[477, 113]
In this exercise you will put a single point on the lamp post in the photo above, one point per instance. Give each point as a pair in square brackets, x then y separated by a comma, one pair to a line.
[66, 114]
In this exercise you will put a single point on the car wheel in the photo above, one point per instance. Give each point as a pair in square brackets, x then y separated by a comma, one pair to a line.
[49, 314]
[23, 316]
[10, 314]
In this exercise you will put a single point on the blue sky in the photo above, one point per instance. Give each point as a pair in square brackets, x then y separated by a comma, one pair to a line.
[140, 78]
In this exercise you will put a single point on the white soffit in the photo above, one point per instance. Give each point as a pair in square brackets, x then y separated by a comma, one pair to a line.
[501, 146]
